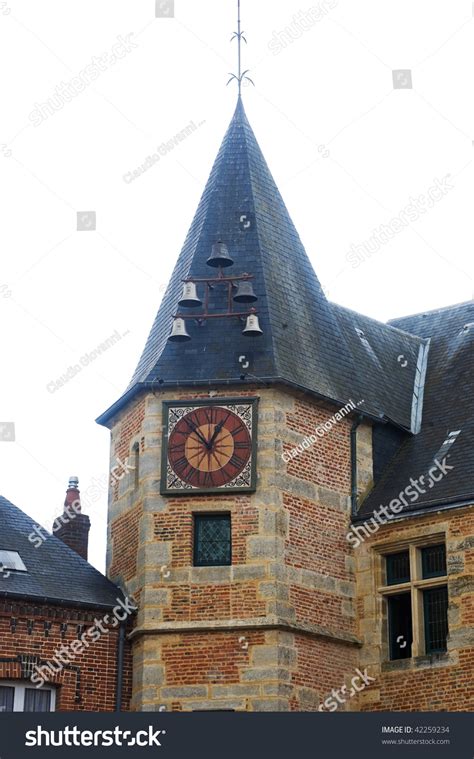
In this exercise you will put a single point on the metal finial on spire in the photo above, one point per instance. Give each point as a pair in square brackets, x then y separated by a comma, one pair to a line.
[239, 35]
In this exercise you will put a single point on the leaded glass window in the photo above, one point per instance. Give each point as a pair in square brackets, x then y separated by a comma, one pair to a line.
[400, 626]
[212, 540]
[398, 568]
[435, 602]
[416, 600]
[433, 561]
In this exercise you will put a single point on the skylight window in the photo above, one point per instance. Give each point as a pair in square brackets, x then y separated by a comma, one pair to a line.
[12, 560]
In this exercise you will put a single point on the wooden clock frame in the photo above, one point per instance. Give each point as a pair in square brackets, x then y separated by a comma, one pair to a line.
[250, 470]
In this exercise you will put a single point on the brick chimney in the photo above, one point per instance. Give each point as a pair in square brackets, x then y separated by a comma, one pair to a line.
[72, 527]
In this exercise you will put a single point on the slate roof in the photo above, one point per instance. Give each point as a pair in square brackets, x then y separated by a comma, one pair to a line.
[390, 362]
[307, 342]
[414, 374]
[55, 571]
[448, 408]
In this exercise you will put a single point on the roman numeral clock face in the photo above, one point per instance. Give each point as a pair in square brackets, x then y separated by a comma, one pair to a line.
[209, 447]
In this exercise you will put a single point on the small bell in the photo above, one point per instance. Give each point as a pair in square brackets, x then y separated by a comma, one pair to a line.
[220, 256]
[179, 333]
[245, 293]
[189, 298]
[252, 328]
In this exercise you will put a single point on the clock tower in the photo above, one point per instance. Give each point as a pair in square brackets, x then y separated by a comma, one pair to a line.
[262, 524]
[233, 545]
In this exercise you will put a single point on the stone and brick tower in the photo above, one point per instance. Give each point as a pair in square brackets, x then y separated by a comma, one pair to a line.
[251, 456]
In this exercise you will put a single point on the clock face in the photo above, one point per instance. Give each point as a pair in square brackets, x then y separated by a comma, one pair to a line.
[209, 447]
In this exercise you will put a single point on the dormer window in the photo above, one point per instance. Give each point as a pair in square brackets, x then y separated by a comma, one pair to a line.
[11, 560]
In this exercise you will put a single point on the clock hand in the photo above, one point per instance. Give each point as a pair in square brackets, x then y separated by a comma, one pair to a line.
[216, 432]
[201, 437]
[197, 433]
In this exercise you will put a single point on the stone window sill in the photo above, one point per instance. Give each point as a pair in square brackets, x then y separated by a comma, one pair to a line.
[418, 662]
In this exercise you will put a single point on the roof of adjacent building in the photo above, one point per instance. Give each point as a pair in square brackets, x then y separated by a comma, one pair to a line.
[335, 361]
[447, 428]
[55, 573]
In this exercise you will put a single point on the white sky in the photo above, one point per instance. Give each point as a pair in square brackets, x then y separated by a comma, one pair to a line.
[330, 89]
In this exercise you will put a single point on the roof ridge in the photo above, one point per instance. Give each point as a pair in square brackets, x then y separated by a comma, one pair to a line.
[452, 307]
[381, 324]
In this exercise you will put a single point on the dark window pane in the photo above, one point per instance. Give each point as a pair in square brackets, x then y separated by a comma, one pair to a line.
[398, 568]
[212, 541]
[433, 561]
[400, 625]
[6, 699]
[435, 603]
[37, 700]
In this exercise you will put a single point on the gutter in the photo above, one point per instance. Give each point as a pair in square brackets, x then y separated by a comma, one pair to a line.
[120, 661]
[423, 511]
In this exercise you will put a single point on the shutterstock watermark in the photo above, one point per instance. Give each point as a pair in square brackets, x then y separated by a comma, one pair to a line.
[67, 91]
[302, 22]
[419, 486]
[7, 432]
[333, 702]
[413, 211]
[74, 736]
[320, 431]
[68, 651]
[88, 358]
[161, 151]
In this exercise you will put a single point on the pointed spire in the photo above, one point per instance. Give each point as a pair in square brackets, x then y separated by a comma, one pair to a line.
[302, 342]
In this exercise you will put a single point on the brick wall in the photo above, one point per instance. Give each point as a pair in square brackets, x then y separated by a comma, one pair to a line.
[89, 682]
[441, 682]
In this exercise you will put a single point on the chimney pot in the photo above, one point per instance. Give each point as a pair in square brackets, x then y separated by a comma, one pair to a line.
[73, 527]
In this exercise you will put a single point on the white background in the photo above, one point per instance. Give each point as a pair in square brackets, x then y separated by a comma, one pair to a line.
[330, 89]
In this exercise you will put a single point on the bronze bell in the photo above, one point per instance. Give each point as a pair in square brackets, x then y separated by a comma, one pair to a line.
[252, 328]
[179, 333]
[189, 298]
[245, 293]
[220, 256]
